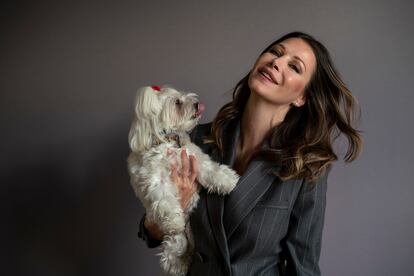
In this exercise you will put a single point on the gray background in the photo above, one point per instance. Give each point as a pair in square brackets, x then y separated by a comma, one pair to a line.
[68, 75]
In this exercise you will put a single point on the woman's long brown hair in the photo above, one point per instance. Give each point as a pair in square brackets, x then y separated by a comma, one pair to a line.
[302, 145]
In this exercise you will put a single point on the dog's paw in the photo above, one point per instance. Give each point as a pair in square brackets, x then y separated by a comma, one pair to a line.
[224, 180]
[178, 269]
[174, 257]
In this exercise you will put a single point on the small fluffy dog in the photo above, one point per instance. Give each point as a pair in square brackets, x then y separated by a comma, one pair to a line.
[163, 118]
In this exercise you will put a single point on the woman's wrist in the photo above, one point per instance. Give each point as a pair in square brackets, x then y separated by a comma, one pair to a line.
[145, 235]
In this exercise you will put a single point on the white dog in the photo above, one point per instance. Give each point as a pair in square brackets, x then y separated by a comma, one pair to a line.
[163, 119]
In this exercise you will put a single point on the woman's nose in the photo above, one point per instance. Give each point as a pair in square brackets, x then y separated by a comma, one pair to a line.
[274, 64]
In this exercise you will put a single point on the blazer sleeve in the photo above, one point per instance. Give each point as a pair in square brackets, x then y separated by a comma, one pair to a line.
[302, 244]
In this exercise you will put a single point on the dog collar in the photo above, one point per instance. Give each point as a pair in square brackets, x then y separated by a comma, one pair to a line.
[169, 136]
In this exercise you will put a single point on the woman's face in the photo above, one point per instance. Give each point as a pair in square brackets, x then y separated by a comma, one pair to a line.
[281, 74]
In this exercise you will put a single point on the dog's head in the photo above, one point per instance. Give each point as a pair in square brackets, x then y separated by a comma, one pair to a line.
[160, 111]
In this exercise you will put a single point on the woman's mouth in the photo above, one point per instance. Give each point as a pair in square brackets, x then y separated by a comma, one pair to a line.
[266, 76]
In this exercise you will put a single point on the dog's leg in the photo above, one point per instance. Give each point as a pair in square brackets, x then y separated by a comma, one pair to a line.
[192, 204]
[167, 213]
[214, 177]
[158, 193]
[174, 256]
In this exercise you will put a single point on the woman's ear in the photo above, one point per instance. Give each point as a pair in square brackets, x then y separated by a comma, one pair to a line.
[299, 101]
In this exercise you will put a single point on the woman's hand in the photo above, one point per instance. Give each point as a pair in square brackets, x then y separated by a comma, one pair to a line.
[153, 230]
[185, 179]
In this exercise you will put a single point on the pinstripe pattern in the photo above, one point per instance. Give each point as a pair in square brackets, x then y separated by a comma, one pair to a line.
[251, 169]
[241, 201]
[261, 222]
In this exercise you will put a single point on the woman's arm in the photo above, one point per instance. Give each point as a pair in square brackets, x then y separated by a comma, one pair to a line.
[302, 245]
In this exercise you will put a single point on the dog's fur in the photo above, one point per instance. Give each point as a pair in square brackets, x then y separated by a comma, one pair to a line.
[163, 119]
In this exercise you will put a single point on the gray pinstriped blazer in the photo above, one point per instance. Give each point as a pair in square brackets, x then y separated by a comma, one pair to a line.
[264, 227]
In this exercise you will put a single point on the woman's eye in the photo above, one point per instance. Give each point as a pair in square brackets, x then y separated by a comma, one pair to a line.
[294, 67]
[274, 52]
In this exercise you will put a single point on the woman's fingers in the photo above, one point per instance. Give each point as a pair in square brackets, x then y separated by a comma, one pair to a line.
[185, 163]
[174, 174]
[193, 168]
[184, 177]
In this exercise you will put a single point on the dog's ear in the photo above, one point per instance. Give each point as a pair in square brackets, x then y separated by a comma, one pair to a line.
[147, 103]
[144, 125]
[140, 138]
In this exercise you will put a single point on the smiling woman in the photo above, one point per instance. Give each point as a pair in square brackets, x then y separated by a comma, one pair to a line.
[302, 109]
[277, 133]
[280, 75]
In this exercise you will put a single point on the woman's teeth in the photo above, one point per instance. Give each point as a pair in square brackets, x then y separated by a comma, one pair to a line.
[267, 76]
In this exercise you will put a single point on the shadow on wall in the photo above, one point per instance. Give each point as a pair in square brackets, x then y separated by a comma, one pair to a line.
[62, 208]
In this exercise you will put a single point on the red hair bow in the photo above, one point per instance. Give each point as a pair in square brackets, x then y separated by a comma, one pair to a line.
[156, 87]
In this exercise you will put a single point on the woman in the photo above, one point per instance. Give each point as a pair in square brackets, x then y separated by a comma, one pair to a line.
[277, 133]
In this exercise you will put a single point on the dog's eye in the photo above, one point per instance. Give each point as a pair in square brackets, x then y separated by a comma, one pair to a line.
[178, 102]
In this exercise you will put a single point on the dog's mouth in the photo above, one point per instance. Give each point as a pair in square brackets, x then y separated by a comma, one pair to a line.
[199, 109]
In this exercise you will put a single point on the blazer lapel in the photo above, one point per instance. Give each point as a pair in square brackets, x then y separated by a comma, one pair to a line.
[254, 183]
[215, 202]
[225, 217]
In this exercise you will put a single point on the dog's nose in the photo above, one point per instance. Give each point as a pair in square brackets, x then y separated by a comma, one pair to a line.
[196, 106]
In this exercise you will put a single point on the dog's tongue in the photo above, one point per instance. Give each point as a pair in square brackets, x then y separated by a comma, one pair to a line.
[201, 108]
